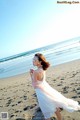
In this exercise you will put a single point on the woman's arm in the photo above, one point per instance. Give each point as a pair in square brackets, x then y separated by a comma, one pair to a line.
[31, 72]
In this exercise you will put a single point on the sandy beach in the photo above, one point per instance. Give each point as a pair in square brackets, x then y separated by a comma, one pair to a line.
[18, 98]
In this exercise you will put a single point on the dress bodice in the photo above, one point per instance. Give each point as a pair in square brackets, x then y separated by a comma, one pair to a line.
[37, 83]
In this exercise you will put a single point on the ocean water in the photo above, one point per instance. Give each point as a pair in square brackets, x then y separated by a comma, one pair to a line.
[56, 54]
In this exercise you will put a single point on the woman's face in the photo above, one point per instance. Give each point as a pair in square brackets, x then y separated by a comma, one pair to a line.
[35, 61]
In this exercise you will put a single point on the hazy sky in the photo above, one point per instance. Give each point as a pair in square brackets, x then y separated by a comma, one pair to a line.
[29, 24]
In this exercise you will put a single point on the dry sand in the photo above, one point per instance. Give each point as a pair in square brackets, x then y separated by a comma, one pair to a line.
[18, 98]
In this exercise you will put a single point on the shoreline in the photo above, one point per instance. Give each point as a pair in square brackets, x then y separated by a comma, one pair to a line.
[49, 68]
[18, 98]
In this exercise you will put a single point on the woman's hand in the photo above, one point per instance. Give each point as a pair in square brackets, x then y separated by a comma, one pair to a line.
[31, 71]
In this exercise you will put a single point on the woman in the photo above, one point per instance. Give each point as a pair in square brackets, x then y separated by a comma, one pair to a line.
[50, 100]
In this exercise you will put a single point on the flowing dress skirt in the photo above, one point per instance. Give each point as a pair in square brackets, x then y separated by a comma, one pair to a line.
[50, 99]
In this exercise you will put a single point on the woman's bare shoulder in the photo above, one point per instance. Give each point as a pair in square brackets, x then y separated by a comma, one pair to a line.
[38, 74]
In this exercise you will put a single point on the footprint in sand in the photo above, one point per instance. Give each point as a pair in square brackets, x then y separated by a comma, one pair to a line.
[74, 97]
[59, 85]
[78, 93]
[25, 97]
[32, 106]
[11, 116]
[62, 79]
[26, 108]
[9, 102]
[19, 102]
[78, 88]
[1, 106]
[13, 105]
[8, 98]
[34, 95]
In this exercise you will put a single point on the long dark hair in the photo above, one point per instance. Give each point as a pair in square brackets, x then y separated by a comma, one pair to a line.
[43, 61]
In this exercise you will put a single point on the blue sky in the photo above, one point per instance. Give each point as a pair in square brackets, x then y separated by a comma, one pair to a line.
[29, 24]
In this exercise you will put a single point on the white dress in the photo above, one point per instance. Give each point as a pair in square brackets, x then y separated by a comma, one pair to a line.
[49, 99]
